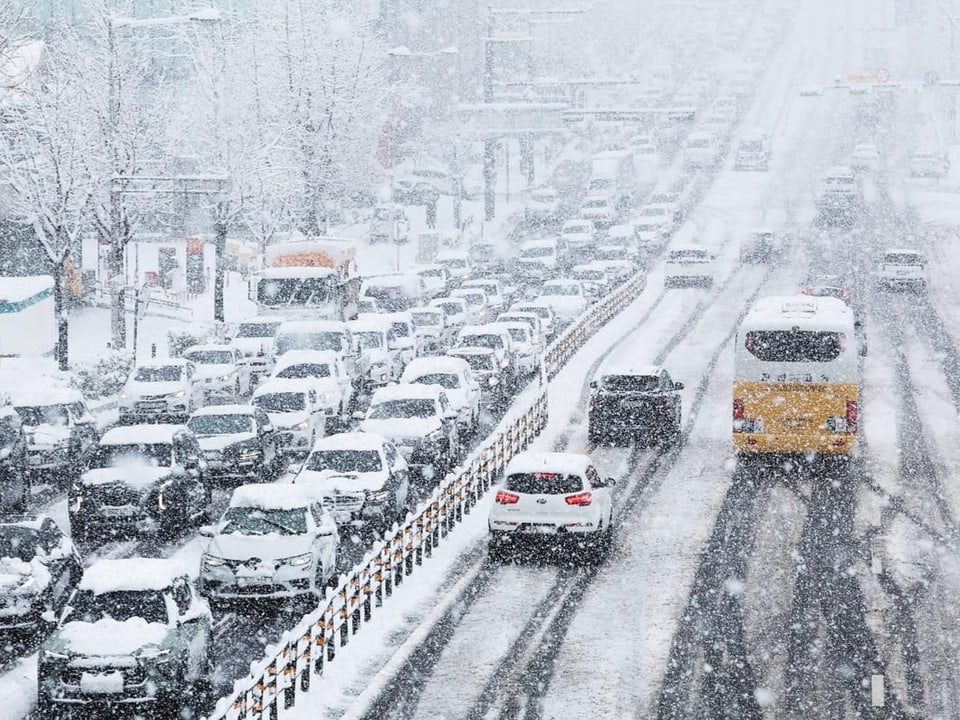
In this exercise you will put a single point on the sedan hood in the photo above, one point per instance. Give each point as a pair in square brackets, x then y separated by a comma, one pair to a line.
[265, 547]
[222, 442]
[405, 428]
[133, 475]
[212, 371]
[136, 389]
[107, 637]
[284, 421]
[330, 482]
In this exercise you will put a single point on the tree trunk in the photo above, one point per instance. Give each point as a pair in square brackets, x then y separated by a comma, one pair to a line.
[118, 310]
[219, 270]
[59, 313]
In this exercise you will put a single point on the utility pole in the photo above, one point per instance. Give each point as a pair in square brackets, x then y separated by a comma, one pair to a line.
[115, 259]
[489, 143]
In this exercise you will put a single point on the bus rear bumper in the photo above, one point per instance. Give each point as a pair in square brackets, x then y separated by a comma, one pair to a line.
[769, 443]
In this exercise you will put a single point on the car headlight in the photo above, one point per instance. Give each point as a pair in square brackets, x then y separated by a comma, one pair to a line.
[154, 653]
[298, 560]
[492, 380]
[53, 655]
[378, 497]
[327, 398]
[504, 364]
[213, 560]
[305, 425]
[123, 395]
[179, 394]
[249, 454]
[224, 378]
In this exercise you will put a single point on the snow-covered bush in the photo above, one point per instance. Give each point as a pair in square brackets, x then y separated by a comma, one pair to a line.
[103, 376]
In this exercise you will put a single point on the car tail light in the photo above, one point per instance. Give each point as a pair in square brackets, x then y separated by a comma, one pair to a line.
[506, 498]
[807, 290]
[582, 499]
[738, 409]
[853, 415]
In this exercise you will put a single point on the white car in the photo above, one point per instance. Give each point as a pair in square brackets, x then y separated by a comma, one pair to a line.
[457, 380]
[436, 280]
[531, 319]
[456, 310]
[594, 279]
[495, 338]
[702, 150]
[538, 259]
[566, 297]
[929, 164]
[554, 498]
[578, 233]
[434, 333]
[401, 337]
[237, 441]
[496, 301]
[528, 349]
[476, 300]
[600, 210]
[457, 263]
[362, 477]
[371, 343]
[256, 339]
[548, 318]
[163, 389]
[902, 268]
[543, 206]
[295, 411]
[866, 157]
[421, 422]
[654, 224]
[221, 371]
[273, 541]
[688, 265]
[753, 152]
[485, 366]
[668, 199]
[324, 372]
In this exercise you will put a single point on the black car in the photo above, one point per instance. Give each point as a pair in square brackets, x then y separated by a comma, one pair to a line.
[238, 441]
[141, 478]
[39, 568]
[14, 478]
[641, 403]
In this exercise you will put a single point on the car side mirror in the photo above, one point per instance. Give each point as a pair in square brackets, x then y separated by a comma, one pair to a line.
[678, 386]
[267, 428]
[207, 531]
[359, 415]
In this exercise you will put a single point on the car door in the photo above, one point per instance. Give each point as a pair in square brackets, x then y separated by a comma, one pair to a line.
[59, 557]
[399, 474]
[448, 417]
[193, 388]
[243, 371]
[472, 388]
[600, 491]
[268, 437]
[326, 538]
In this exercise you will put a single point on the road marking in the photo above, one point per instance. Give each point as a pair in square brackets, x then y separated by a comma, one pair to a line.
[876, 690]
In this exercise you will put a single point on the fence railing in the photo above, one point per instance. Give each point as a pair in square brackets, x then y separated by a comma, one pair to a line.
[286, 671]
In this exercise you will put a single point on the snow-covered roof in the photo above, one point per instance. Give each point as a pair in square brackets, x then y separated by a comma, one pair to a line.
[786, 311]
[531, 244]
[485, 329]
[399, 316]
[312, 326]
[514, 315]
[146, 434]
[236, 409]
[350, 441]
[259, 320]
[627, 367]
[33, 522]
[688, 247]
[18, 289]
[467, 292]
[470, 351]
[31, 395]
[208, 347]
[274, 496]
[481, 283]
[531, 462]
[432, 365]
[432, 309]
[909, 251]
[405, 391]
[136, 574]
[368, 322]
[436, 302]
[279, 385]
[295, 272]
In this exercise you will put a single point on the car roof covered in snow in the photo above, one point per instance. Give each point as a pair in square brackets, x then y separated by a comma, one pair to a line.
[273, 496]
[531, 462]
[368, 322]
[902, 251]
[781, 312]
[167, 362]
[626, 367]
[300, 357]
[421, 366]
[131, 574]
[208, 347]
[312, 326]
[235, 409]
[143, 434]
[29, 394]
[405, 391]
[350, 441]
[437, 302]
[539, 243]
[455, 352]
[280, 385]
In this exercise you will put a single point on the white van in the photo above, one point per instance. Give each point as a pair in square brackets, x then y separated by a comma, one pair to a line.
[702, 150]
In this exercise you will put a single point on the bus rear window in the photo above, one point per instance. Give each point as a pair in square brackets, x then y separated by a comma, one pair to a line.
[795, 345]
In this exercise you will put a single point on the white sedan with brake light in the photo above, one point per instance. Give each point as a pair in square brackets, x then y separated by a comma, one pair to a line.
[552, 497]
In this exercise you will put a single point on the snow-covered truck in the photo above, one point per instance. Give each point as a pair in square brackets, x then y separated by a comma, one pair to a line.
[28, 327]
[313, 279]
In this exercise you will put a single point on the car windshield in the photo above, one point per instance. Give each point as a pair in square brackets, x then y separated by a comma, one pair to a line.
[652, 212]
[577, 229]
[592, 275]
[903, 259]
[369, 340]
[34, 415]
[480, 361]
[345, 461]
[18, 542]
[264, 521]
[489, 340]
[537, 252]
[543, 483]
[280, 402]
[595, 203]
[148, 454]
[682, 255]
[427, 319]
[665, 198]
[226, 424]
[210, 357]
[257, 330]
[543, 312]
[451, 308]
[302, 371]
[399, 329]
[448, 381]
[119, 605]
[309, 341]
[312, 291]
[566, 290]
[455, 263]
[476, 298]
[518, 334]
[158, 373]
[402, 409]
[794, 345]
[631, 383]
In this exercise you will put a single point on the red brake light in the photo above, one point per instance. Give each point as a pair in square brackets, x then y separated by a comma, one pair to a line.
[506, 498]
[738, 409]
[582, 499]
[853, 415]
[808, 290]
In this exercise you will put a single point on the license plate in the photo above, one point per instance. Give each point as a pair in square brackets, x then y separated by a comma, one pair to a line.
[121, 511]
[152, 407]
[541, 528]
[244, 581]
[101, 683]
[634, 404]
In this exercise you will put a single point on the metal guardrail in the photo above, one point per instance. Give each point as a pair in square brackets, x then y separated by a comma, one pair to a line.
[304, 651]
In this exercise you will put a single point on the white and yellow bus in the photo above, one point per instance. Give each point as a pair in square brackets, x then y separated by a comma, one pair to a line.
[796, 387]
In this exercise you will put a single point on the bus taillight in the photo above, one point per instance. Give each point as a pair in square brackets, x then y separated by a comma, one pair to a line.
[738, 409]
[853, 415]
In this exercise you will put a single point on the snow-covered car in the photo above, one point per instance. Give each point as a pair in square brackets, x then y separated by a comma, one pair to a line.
[458, 382]
[436, 280]
[640, 402]
[238, 441]
[371, 342]
[295, 411]
[332, 335]
[476, 300]
[902, 269]
[626, 236]
[753, 152]
[141, 478]
[653, 225]
[688, 265]
[548, 318]
[702, 150]
[496, 299]
[457, 263]
[135, 634]
[539, 259]
[927, 163]
[594, 279]
[532, 320]
[566, 297]
[434, 333]
[761, 245]
[485, 366]
[362, 477]
[543, 206]
[273, 542]
[325, 372]
[160, 390]
[670, 200]
[420, 422]
[490, 335]
[839, 191]
[256, 339]
[578, 233]
[396, 291]
[39, 568]
[456, 310]
[600, 210]
[58, 428]
[367, 304]
[527, 348]
[221, 371]
[553, 498]
[865, 157]
[402, 337]
[616, 267]
[388, 224]
[14, 472]
[827, 285]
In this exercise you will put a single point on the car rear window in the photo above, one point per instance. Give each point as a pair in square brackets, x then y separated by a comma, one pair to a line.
[543, 483]
[903, 259]
[795, 345]
[631, 383]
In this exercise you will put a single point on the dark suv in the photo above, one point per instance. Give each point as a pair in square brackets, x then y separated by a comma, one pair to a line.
[642, 403]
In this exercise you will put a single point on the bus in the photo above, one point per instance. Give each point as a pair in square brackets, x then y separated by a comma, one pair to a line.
[796, 387]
